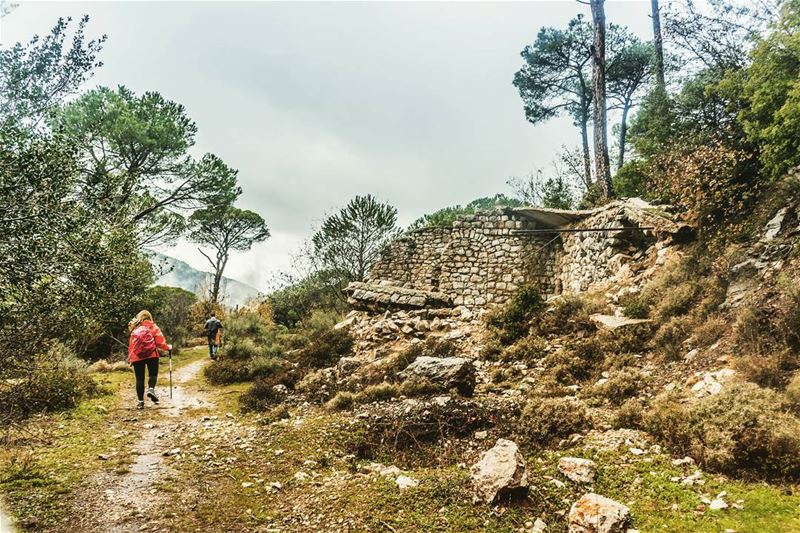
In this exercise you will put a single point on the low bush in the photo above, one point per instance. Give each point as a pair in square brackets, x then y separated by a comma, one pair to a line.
[325, 348]
[423, 434]
[242, 348]
[249, 325]
[792, 394]
[51, 381]
[630, 415]
[620, 386]
[528, 349]
[318, 386]
[227, 371]
[742, 430]
[544, 420]
[265, 392]
[669, 340]
[512, 320]
[342, 401]
[676, 301]
[768, 370]
[263, 366]
[570, 314]
[634, 306]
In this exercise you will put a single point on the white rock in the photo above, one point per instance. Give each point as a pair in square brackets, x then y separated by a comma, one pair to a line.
[500, 471]
[596, 514]
[540, 526]
[405, 482]
[481, 435]
[577, 469]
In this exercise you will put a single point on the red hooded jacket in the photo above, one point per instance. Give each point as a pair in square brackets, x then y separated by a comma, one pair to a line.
[161, 343]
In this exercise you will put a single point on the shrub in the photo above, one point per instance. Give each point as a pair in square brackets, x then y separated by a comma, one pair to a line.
[325, 348]
[676, 301]
[263, 366]
[528, 349]
[340, 402]
[570, 314]
[634, 306]
[620, 386]
[744, 429]
[52, 381]
[630, 415]
[227, 371]
[241, 349]
[265, 392]
[545, 420]
[424, 433]
[248, 325]
[319, 385]
[714, 181]
[378, 393]
[668, 340]
[793, 394]
[768, 370]
[709, 331]
[511, 321]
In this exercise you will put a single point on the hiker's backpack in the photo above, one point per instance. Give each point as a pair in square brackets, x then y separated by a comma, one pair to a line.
[143, 344]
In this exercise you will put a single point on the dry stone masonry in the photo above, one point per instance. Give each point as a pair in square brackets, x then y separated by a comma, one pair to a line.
[482, 259]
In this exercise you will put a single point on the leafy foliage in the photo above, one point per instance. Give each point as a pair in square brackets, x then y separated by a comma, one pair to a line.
[446, 216]
[135, 163]
[41, 74]
[352, 239]
[172, 309]
[225, 228]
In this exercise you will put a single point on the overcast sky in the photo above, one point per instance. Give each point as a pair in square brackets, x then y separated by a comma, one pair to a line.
[315, 103]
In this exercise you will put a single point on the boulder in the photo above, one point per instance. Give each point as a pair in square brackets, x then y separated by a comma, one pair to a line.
[500, 473]
[444, 372]
[616, 322]
[596, 514]
[577, 470]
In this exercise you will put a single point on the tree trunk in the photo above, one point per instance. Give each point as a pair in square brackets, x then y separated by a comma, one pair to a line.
[587, 156]
[601, 164]
[659, 45]
[218, 270]
[623, 131]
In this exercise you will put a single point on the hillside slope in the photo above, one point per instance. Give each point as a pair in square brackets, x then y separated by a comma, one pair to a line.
[173, 272]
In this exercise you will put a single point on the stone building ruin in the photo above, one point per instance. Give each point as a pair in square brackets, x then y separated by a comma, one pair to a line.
[482, 259]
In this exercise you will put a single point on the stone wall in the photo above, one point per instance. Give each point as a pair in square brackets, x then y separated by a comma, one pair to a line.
[478, 261]
[587, 259]
[483, 259]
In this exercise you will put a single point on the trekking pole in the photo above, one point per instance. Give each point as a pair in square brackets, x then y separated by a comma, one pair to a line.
[170, 374]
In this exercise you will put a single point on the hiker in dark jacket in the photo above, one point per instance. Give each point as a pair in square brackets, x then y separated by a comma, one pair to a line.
[213, 329]
[143, 350]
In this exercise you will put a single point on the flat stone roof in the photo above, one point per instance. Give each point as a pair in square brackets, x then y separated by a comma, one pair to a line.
[552, 218]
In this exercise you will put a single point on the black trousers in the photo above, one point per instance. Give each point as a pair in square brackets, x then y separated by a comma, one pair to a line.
[152, 377]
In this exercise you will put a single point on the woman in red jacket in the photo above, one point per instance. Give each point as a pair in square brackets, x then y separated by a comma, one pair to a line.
[143, 350]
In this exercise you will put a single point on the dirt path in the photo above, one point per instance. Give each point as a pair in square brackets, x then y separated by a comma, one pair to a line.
[127, 502]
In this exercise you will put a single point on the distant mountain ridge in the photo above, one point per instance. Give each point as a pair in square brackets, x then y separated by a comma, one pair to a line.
[173, 272]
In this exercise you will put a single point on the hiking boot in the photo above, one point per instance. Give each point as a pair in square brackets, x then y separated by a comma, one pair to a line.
[140, 404]
[151, 393]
